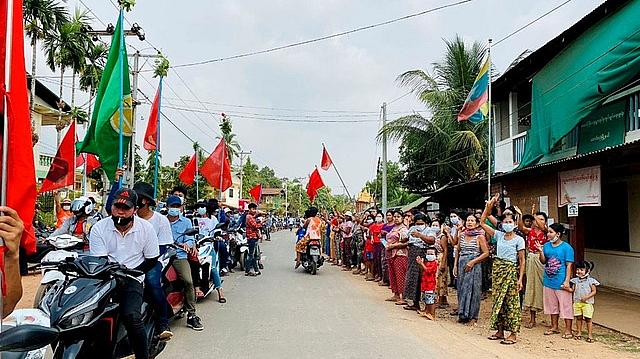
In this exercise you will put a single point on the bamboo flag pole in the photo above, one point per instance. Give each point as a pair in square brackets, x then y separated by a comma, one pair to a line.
[157, 165]
[121, 62]
[489, 144]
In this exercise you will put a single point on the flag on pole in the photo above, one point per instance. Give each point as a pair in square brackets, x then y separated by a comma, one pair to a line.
[315, 183]
[151, 134]
[217, 169]
[21, 184]
[256, 193]
[102, 138]
[188, 173]
[62, 170]
[92, 162]
[326, 159]
[476, 106]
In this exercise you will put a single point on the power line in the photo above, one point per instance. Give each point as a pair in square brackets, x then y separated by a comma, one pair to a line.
[323, 38]
[531, 22]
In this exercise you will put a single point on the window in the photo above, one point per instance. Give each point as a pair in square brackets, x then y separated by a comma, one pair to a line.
[230, 192]
[524, 108]
[502, 120]
[633, 122]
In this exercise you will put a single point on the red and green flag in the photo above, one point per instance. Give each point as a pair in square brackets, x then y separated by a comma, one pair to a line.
[103, 136]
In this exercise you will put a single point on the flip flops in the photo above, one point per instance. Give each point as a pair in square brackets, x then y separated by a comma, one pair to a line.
[507, 342]
[551, 332]
[495, 337]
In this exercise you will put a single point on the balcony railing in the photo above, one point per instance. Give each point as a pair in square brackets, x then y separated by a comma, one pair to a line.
[45, 160]
[633, 123]
[518, 143]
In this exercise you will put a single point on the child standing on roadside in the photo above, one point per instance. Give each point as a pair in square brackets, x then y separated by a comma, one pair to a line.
[583, 287]
[428, 282]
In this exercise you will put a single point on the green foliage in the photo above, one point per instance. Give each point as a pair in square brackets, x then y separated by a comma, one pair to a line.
[233, 147]
[42, 18]
[397, 195]
[79, 115]
[96, 57]
[438, 149]
[161, 67]
[127, 5]
[253, 175]
[67, 47]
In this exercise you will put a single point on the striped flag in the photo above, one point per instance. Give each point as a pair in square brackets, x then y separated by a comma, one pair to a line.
[476, 106]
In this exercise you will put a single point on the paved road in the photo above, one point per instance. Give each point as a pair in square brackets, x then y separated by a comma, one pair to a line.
[290, 314]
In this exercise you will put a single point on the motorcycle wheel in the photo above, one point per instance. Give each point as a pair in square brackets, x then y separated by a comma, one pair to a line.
[314, 268]
[42, 289]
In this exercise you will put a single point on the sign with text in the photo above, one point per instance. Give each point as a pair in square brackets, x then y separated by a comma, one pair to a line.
[581, 186]
[572, 210]
[604, 127]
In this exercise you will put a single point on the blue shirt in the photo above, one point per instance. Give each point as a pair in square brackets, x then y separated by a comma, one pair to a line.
[177, 229]
[555, 269]
[508, 249]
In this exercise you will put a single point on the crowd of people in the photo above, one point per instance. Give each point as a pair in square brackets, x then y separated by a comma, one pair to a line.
[521, 260]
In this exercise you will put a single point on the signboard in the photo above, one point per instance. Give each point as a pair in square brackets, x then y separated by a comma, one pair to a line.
[581, 186]
[572, 210]
[602, 128]
[544, 204]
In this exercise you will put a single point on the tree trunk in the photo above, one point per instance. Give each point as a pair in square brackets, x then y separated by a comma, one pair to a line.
[59, 126]
[73, 89]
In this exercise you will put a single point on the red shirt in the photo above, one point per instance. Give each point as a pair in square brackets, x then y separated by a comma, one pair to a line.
[252, 227]
[375, 230]
[428, 278]
[535, 235]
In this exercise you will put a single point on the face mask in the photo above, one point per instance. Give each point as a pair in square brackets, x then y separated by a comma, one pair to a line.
[554, 239]
[508, 227]
[66, 208]
[202, 211]
[173, 212]
[369, 221]
[379, 219]
[436, 230]
[455, 220]
[431, 257]
[121, 221]
[421, 227]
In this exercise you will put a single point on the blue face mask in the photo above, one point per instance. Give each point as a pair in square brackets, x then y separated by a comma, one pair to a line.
[508, 227]
[202, 211]
[173, 212]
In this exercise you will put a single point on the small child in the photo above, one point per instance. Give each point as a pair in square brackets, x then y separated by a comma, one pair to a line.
[428, 282]
[584, 290]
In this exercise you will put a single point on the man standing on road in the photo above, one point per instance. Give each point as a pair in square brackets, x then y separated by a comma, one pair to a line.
[131, 242]
[179, 226]
[153, 279]
[253, 234]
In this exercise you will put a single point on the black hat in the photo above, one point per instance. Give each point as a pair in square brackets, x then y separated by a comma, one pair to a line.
[126, 196]
[143, 189]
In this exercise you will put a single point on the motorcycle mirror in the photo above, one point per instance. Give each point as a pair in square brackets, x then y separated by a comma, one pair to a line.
[191, 232]
[27, 337]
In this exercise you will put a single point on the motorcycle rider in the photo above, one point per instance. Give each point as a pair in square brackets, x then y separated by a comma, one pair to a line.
[153, 279]
[179, 226]
[132, 242]
[81, 221]
[312, 231]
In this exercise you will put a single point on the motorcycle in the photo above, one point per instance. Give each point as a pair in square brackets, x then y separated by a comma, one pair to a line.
[20, 349]
[60, 248]
[202, 266]
[84, 309]
[312, 258]
[239, 248]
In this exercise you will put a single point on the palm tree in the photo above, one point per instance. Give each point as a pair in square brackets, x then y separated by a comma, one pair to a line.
[438, 149]
[79, 22]
[233, 147]
[66, 49]
[96, 57]
[41, 19]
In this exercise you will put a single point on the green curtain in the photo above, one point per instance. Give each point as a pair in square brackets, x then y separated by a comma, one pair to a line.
[579, 79]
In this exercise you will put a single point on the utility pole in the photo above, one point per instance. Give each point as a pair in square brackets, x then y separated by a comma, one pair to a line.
[242, 153]
[384, 159]
[286, 199]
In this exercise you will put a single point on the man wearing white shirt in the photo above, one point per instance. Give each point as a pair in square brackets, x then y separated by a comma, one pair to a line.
[153, 279]
[132, 242]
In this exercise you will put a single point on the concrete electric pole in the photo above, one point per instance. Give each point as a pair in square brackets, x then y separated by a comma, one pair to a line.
[384, 159]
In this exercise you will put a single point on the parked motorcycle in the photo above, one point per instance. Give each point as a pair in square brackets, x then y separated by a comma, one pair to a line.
[239, 248]
[84, 309]
[60, 248]
[312, 258]
[201, 269]
[20, 349]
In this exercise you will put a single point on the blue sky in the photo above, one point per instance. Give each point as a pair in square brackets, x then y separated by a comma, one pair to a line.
[355, 73]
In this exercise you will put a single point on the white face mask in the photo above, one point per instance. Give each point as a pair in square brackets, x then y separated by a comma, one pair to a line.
[455, 220]
[379, 219]
[430, 257]
[554, 239]
[421, 227]
[202, 211]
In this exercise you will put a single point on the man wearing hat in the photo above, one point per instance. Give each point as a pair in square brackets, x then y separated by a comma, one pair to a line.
[186, 244]
[131, 241]
[153, 279]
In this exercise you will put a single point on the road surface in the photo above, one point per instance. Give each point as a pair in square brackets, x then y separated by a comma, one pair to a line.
[290, 314]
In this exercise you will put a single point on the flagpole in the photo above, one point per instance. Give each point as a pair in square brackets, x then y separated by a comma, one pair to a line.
[490, 137]
[338, 173]
[197, 165]
[155, 172]
[121, 61]
[222, 167]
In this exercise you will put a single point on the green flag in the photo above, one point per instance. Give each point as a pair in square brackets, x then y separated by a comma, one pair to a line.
[102, 137]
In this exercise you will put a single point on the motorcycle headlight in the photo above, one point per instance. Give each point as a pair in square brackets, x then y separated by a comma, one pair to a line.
[80, 319]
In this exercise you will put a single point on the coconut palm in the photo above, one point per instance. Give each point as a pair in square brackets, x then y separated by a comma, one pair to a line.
[233, 147]
[65, 50]
[41, 19]
[96, 57]
[437, 149]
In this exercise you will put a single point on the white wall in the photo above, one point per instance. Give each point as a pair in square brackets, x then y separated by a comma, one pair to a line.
[504, 156]
[616, 269]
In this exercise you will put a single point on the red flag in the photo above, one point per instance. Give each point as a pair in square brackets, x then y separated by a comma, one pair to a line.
[188, 173]
[315, 183]
[92, 161]
[256, 193]
[326, 159]
[62, 170]
[21, 175]
[152, 127]
[217, 169]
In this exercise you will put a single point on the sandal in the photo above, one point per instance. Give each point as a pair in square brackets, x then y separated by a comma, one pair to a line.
[577, 337]
[567, 336]
[507, 342]
[401, 302]
[410, 307]
[590, 340]
[495, 337]
[222, 300]
[551, 332]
